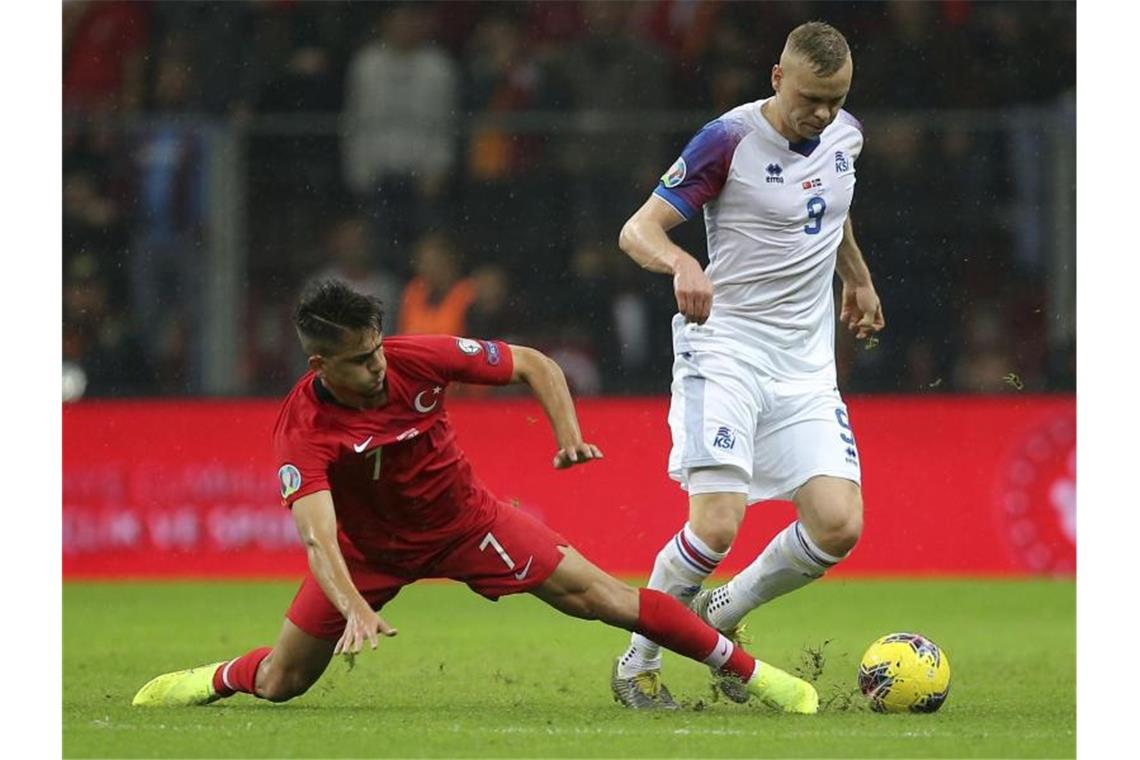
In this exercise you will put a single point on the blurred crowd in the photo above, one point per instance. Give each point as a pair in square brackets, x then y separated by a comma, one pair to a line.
[388, 144]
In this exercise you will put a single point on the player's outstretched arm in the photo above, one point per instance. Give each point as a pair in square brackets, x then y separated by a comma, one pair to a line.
[548, 384]
[315, 518]
[645, 239]
[861, 310]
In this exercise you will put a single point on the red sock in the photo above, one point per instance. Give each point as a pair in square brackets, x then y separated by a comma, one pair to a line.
[663, 619]
[240, 674]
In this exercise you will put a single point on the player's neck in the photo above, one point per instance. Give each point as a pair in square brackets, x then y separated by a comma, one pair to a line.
[354, 400]
[771, 112]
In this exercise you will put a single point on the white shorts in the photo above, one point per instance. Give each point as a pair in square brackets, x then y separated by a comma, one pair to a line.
[777, 435]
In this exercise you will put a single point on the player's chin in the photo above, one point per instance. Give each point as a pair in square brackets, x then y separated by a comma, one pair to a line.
[809, 131]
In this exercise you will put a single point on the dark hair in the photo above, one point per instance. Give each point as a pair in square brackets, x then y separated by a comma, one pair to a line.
[822, 44]
[330, 311]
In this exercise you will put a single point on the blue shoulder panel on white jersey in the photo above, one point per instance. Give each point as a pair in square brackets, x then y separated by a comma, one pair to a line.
[700, 173]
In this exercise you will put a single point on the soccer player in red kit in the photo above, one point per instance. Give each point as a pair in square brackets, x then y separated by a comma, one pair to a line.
[382, 496]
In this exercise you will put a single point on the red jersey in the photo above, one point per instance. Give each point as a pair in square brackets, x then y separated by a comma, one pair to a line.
[400, 484]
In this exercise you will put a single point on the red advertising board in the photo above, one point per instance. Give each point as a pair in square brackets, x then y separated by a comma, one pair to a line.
[952, 485]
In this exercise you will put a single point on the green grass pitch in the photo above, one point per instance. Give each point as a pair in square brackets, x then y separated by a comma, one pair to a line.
[468, 678]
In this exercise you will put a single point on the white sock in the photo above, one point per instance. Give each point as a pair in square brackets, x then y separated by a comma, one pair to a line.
[681, 567]
[790, 561]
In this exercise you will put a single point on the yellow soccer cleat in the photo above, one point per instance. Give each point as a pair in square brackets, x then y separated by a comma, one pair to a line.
[783, 691]
[181, 688]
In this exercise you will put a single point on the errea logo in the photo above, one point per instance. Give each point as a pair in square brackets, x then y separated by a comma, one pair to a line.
[775, 172]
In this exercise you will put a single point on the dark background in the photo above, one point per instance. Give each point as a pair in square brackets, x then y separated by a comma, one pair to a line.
[217, 156]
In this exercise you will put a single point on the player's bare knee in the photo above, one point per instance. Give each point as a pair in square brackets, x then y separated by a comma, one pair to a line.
[841, 529]
[715, 518]
[840, 540]
[716, 530]
[719, 538]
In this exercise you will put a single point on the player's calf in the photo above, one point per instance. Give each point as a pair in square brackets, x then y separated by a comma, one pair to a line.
[790, 561]
[282, 684]
[580, 589]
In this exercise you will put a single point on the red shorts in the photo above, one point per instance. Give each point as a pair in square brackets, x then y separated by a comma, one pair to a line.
[516, 554]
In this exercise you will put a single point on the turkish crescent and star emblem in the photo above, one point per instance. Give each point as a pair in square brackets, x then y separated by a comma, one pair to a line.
[418, 401]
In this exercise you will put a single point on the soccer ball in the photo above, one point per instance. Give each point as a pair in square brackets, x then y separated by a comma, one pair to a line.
[904, 672]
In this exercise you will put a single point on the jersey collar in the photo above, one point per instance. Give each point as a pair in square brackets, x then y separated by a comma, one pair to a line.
[803, 147]
[324, 394]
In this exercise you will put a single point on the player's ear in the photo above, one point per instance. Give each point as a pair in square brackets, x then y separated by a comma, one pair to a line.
[777, 77]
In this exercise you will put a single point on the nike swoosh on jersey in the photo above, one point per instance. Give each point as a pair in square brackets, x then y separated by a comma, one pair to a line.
[521, 574]
[359, 447]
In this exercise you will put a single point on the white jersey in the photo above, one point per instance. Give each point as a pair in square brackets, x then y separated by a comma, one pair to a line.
[774, 214]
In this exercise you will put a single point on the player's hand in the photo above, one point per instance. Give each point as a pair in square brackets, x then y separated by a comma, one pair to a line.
[362, 625]
[579, 453]
[694, 290]
[862, 312]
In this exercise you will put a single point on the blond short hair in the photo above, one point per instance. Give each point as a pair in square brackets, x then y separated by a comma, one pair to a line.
[822, 45]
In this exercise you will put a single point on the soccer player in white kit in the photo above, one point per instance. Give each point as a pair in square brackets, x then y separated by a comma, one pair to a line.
[755, 412]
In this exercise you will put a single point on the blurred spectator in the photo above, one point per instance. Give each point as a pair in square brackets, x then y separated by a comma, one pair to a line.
[488, 316]
[224, 49]
[579, 364]
[1003, 36]
[305, 71]
[93, 226]
[579, 328]
[905, 245]
[682, 28]
[169, 217]
[104, 47]
[925, 368]
[584, 306]
[399, 124]
[643, 308]
[491, 317]
[915, 67]
[614, 316]
[509, 175]
[501, 78]
[436, 301]
[986, 364]
[350, 251]
[98, 344]
[610, 70]
[731, 67]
